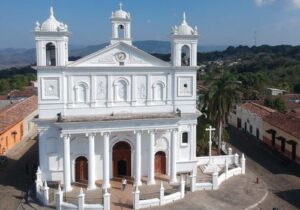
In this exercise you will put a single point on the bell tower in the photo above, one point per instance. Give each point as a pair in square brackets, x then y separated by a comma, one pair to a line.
[184, 42]
[52, 38]
[121, 26]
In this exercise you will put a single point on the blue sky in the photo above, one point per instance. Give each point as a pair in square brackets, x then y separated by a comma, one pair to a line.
[220, 22]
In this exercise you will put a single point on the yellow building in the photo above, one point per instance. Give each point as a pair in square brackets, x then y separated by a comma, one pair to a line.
[15, 122]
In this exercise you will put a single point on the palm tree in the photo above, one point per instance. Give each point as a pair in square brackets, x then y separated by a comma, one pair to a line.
[222, 95]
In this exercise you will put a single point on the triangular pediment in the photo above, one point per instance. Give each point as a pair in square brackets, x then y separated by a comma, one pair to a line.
[119, 54]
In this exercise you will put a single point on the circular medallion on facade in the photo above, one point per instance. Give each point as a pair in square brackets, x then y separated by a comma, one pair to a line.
[120, 56]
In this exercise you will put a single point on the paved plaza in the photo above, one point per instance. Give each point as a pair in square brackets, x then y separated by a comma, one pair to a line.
[282, 183]
[281, 176]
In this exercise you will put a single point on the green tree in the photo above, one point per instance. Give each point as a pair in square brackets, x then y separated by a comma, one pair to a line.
[297, 88]
[275, 103]
[4, 86]
[222, 95]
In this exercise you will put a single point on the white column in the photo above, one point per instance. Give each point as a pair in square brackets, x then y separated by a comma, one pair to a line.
[173, 156]
[151, 178]
[91, 164]
[67, 164]
[106, 170]
[138, 135]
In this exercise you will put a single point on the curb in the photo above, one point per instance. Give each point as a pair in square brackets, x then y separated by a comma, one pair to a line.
[261, 200]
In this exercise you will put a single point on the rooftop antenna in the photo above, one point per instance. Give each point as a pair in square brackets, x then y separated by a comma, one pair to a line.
[255, 38]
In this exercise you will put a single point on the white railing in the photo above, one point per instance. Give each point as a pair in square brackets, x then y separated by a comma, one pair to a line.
[162, 200]
[240, 168]
[81, 205]
[218, 160]
[41, 189]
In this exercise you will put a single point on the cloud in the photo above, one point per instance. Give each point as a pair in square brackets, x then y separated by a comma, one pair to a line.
[295, 3]
[292, 4]
[264, 2]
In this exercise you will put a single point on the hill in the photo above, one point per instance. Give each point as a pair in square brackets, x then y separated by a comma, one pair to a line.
[22, 57]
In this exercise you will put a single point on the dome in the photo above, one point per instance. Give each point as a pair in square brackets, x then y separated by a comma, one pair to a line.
[51, 24]
[184, 28]
[121, 13]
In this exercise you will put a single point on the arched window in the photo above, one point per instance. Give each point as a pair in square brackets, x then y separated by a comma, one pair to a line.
[158, 91]
[185, 56]
[50, 55]
[81, 93]
[121, 32]
[120, 90]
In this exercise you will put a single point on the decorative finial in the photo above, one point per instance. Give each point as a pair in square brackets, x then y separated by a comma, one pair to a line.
[51, 11]
[121, 5]
[184, 18]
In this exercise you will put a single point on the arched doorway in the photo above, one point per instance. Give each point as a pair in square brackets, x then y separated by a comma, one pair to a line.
[81, 169]
[160, 163]
[121, 159]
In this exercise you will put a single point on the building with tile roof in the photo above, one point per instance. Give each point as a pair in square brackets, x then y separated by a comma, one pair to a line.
[282, 132]
[15, 122]
[249, 116]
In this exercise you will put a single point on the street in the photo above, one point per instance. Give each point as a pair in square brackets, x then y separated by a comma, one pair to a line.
[282, 177]
[16, 178]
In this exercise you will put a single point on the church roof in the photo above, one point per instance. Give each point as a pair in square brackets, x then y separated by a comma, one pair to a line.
[106, 58]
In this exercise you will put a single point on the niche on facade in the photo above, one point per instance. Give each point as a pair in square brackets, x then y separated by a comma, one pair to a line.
[121, 91]
[158, 91]
[81, 92]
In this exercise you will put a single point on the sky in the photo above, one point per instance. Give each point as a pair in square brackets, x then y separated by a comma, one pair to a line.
[219, 22]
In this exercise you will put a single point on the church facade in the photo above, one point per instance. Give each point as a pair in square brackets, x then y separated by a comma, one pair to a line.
[117, 112]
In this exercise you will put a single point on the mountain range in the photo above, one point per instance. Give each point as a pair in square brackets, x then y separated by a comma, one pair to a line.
[12, 57]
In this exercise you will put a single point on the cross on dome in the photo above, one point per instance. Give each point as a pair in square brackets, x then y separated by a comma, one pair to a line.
[51, 24]
[120, 14]
[184, 28]
[51, 11]
[184, 19]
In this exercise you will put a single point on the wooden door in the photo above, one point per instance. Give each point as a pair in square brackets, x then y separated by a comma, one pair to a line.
[239, 123]
[160, 163]
[81, 169]
[122, 159]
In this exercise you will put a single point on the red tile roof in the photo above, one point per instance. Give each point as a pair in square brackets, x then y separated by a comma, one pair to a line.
[257, 109]
[24, 93]
[16, 112]
[285, 122]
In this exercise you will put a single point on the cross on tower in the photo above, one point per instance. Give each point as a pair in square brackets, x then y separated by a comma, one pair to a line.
[210, 130]
[120, 5]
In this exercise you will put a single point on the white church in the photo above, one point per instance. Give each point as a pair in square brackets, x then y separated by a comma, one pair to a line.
[117, 112]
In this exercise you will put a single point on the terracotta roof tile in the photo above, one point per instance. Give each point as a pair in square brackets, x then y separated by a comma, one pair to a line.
[16, 112]
[26, 92]
[257, 109]
[288, 123]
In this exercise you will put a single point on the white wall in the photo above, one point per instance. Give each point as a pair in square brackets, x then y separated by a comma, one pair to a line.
[58, 92]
